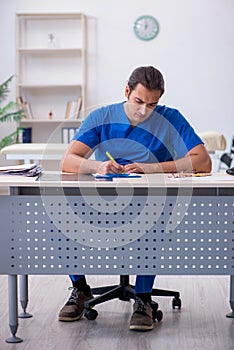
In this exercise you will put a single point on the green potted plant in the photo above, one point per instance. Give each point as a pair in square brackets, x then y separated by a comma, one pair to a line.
[10, 112]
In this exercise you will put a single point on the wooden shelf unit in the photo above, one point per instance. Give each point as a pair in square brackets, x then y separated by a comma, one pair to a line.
[50, 64]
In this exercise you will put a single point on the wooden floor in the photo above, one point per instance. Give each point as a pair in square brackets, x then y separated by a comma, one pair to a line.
[200, 325]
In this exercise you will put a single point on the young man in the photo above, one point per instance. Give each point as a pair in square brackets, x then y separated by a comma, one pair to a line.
[143, 137]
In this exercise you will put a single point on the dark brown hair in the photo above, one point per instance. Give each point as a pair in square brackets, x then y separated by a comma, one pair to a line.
[149, 77]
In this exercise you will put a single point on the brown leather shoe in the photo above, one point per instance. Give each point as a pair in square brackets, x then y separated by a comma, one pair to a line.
[142, 319]
[73, 310]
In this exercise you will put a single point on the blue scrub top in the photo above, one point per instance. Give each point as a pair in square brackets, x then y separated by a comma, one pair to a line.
[166, 135]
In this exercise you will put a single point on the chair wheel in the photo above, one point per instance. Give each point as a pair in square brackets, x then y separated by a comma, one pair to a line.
[91, 314]
[156, 314]
[154, 305]
[176, 303]
[159, 316]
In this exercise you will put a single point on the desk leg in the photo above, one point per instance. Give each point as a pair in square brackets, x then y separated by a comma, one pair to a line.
[231, 314]
[24, 296]
[13, 309]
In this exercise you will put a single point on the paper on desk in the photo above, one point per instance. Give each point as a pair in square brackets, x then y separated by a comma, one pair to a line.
[24, 169]
[219, 177]
[186, 175]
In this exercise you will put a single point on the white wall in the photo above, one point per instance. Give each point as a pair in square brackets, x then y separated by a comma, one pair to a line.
[194, 50]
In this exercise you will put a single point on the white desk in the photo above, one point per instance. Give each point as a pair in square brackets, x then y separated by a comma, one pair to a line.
[152, 225]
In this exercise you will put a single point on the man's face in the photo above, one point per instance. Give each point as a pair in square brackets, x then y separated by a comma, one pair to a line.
[141, 102]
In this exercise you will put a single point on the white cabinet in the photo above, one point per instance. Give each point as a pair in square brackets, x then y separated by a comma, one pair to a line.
[50, 66]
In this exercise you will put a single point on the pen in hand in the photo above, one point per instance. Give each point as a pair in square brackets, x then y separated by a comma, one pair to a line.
[112, 159]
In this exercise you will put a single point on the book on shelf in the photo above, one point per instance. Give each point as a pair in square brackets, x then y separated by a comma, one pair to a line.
[73, 109]
[26, 107]
[68, 134]
[28, 110]
[78, 106]
[19, 100]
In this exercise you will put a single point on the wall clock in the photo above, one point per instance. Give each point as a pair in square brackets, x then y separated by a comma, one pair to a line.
[146, 27]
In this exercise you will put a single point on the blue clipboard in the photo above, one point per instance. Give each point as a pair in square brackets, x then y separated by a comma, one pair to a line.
[113, 176]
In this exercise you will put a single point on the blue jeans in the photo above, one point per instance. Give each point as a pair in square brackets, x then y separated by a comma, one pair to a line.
[144, 284]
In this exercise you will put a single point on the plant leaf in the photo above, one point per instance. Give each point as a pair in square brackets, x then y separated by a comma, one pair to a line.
[11, 138]
[4, 90]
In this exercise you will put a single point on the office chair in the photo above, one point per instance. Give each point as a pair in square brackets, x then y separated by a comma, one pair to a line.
[125, 291]
[215, 141]
[228, 157]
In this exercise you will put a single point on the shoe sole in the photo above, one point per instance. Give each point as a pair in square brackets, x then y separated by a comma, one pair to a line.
[140, 328]
[70, 319]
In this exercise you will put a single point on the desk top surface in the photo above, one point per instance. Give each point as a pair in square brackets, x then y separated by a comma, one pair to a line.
[57, 179]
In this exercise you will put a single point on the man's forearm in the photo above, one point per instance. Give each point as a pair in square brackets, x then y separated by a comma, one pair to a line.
[192, 163]
[75, 164]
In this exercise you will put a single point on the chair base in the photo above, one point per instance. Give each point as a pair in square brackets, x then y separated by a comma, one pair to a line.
[124, 291]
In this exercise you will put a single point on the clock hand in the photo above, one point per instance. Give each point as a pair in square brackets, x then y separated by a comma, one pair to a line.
[146, 25]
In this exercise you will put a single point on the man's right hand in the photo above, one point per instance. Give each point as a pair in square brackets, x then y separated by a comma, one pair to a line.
[110, 167]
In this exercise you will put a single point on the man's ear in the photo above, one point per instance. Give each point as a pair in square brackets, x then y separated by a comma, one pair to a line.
[127, 91]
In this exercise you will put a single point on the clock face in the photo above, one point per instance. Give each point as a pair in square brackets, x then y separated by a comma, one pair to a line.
[146, 27]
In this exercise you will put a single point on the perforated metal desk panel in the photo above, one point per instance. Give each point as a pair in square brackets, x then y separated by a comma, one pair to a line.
[152, 225]
[68, 224]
